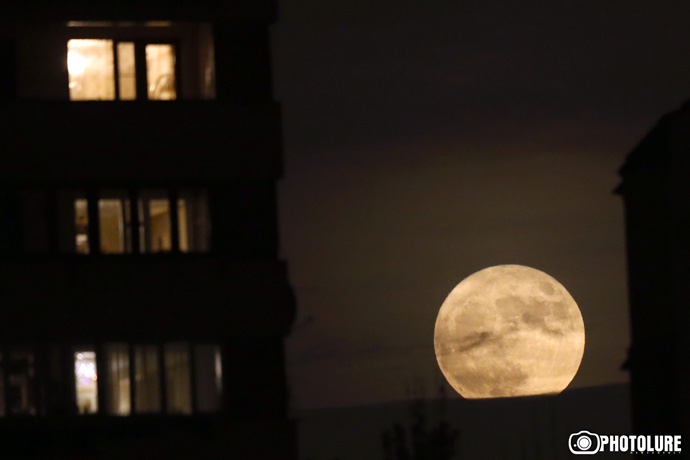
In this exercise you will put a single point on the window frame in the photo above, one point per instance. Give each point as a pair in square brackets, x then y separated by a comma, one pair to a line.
[140, 66]
[32, 381]
[194, 224]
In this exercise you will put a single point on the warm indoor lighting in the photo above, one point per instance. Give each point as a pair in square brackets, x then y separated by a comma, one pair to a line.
[118, 389]
[76, 63]
[90, 65]
[126, 71]
[160, 72]
[509, 330]
[85, 379]
[152, 218]
[81, 226]
[92, 72]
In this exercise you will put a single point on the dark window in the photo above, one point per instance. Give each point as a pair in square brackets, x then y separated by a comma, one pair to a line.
[18, 383]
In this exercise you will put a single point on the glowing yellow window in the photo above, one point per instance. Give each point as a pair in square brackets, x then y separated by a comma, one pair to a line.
[85, 376]
[115, 223]
[124, 70]
[81, 226]
[91, 69]
[160, 72]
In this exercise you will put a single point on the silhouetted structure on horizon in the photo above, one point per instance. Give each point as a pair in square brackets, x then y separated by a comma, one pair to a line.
[143, 306]
[534, 427]
[656, 193]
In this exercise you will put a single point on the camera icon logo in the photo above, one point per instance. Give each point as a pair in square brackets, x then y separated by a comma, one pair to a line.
[584, 443]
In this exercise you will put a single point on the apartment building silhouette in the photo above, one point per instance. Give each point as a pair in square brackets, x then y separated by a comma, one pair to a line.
[143, 306]
[656, 194]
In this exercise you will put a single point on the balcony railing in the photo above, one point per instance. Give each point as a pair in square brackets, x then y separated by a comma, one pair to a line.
[139, 142]
[247, 11]
[141, 297]
[150, 436]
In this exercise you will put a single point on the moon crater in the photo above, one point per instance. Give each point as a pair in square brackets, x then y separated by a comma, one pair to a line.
[509, 330]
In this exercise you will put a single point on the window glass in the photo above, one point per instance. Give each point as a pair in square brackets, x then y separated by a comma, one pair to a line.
[126, 71]
[19, 393]
[160, 72]
[118, 391]
[81, 226]
[208, 64]
[72, 221]
[91, 69]
[147, 395]
[86, 381]
[114, 222]
[154, 219]
[208, 375]
[177, 379]
[193, 222]
[159, 215]
[112, 225]
[183, 224]
[116, 226]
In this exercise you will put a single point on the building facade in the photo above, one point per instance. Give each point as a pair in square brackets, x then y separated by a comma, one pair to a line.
[656, 194]
[143, 306]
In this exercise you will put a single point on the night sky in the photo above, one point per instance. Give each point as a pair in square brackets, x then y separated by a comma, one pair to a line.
[425, 140]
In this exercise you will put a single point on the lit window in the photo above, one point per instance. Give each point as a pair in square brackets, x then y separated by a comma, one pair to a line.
[160, 72]
[114, 224]
[193, 221]
[153, 218]
[177, 379]
[91, 71]
[86, 381]
[184, 224]
[118, 394]
[126, 71]
[92, 75]
[81, 226]
[147, 384]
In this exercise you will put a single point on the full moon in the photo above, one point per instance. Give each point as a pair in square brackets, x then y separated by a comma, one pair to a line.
[509, 331]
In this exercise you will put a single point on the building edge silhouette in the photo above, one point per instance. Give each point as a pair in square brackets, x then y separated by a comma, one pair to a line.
[656, 196]
[143, 306]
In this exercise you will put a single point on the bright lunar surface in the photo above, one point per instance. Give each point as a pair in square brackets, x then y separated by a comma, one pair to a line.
[509, 330]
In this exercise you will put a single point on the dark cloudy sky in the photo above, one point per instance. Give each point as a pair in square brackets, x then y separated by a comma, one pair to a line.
[425, 140]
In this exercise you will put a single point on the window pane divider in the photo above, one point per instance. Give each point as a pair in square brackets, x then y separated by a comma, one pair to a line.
[163, 378]
[174, 222]
[192, 376]
[94, 231]
[134, 221]
[41, 385]
[132, 379]
[52, 221]
[116, 69]
[102, 380]
[140, 66]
